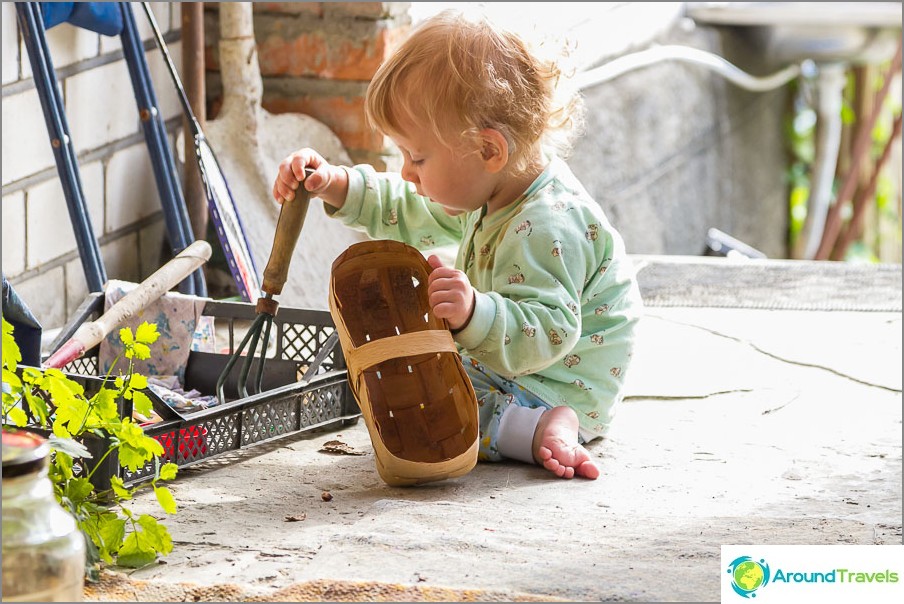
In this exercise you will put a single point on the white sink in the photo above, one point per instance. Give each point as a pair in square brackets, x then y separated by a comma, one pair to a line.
[861, 32]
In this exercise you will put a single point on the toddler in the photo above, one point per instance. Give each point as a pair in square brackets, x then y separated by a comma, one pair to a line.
[542, 300]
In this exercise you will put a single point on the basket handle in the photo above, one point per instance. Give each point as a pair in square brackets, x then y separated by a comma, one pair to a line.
[372, 353]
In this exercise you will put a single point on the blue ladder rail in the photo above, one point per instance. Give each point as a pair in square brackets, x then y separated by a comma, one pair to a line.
[175, 213]
[32, 26]
[178, 225]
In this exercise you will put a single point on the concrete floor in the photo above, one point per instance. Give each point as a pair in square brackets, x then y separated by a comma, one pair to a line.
[742, 426]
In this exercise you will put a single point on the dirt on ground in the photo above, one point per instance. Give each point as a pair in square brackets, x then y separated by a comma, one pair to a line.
[740, 427]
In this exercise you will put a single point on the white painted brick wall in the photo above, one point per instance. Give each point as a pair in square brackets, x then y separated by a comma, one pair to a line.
[76, 286]
[69, 44]
[164, 90]
[131, 190]
[45, 295]
[26, 146]
[24, 65]
[100, 106]
[121, 259]
[8, 38]
[94, 190]
[13, 240]
[49, 232]
[48, 229]
[150, 246]
[161, 12]
[165, 14]
[24, 62]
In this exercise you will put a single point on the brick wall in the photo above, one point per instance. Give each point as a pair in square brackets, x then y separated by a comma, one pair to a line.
[39, 253]
[317, 58]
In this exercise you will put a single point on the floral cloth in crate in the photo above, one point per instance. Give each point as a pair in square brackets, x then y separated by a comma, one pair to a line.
[181, 326]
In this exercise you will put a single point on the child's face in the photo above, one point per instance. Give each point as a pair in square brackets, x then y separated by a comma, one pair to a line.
[454, 178]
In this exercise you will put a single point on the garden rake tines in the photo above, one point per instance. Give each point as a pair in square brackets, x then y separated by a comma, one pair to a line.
[288, 227]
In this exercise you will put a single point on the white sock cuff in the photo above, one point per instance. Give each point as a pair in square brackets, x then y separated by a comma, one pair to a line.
[515, 436]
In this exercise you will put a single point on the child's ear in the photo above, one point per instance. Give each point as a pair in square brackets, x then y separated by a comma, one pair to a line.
[494, 150]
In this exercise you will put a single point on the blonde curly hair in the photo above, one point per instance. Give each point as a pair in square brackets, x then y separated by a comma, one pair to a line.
[458, 74]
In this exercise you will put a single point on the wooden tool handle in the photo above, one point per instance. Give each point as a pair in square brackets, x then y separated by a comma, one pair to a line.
[161, 281]
[288, 227]
[90, 333]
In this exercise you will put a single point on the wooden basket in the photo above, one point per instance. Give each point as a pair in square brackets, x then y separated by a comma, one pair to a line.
[403, 367]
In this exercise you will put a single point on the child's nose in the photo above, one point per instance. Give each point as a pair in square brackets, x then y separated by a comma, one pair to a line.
[408, 172]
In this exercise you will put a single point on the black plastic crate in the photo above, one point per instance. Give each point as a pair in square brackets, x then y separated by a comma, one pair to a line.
[284, 406]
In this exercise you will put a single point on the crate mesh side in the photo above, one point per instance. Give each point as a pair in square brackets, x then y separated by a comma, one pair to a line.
[301, 342]
[216, 436]
[146, 472]
[269, 420]
[84, 366]
[168, 440]
[321, 405]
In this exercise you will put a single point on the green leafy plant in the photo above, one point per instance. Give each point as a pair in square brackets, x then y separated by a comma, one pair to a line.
[113, 532]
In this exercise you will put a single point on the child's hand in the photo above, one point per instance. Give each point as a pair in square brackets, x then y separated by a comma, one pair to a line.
[450, 294]
[324, 182]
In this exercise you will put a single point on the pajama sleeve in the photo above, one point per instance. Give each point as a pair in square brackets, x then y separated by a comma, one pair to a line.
[387, 207]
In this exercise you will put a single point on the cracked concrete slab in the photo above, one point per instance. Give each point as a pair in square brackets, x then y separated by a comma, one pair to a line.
[740, 426]
[818, 338]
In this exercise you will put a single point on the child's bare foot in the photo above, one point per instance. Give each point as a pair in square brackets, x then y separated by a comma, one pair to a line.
[556, 445]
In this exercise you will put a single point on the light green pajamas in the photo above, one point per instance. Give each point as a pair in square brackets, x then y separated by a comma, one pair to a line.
[557, 300]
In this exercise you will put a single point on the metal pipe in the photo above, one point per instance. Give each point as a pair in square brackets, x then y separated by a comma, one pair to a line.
[830, 83]
[644, 58]
[193, 74]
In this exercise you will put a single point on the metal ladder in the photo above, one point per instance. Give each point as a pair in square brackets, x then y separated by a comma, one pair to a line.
[178, 226]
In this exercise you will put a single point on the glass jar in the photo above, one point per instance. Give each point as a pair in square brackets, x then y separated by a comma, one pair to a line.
[43, 549]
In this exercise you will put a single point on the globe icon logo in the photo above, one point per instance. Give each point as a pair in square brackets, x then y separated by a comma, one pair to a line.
[748, 575]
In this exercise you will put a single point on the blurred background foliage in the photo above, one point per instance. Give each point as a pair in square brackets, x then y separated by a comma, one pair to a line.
[877, 237]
